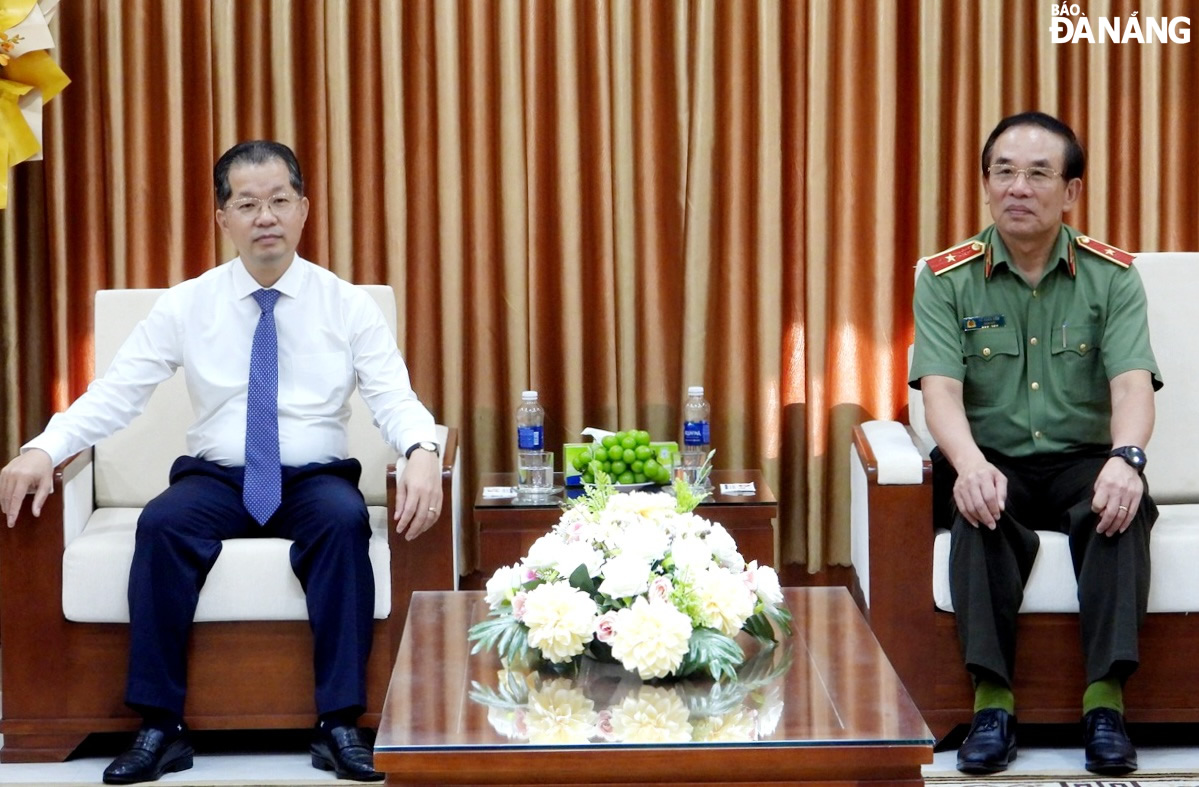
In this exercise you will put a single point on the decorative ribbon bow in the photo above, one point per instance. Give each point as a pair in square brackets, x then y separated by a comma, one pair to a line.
[28, 79]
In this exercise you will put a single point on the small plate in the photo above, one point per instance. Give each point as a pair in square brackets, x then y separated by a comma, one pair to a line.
[635, 487]
[554, 490]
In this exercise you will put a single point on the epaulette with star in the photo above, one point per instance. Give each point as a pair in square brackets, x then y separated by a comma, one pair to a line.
[1109, 253]
[958, 255]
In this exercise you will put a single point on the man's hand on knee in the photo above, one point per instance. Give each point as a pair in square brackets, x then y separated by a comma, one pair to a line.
[31, 472]
[980, 493]
[418, 494]
[1118, 492]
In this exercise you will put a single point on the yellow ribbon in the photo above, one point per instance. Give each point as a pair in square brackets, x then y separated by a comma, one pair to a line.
[31, 70]
[13, 12]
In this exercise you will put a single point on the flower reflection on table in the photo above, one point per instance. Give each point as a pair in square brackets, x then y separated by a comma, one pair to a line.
[598, 702]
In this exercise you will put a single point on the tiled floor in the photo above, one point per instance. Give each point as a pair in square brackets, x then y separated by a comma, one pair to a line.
[278, 765]
[282, 758]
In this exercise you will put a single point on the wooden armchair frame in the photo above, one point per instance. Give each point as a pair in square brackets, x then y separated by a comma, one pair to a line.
[63, 680]
[922, 642]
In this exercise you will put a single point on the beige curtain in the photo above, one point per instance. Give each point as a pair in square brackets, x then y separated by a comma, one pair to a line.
[606, 200]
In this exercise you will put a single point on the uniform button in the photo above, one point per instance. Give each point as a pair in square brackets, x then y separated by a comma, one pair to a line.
[1033, 341]
[1082, 348]
[1037, 434]
[986, 352]
[1036, 386]
[1034, 293]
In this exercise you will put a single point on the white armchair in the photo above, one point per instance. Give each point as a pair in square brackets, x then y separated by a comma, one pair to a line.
[903, 565]
[63, 581]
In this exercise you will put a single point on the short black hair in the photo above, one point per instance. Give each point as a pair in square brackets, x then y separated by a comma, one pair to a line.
[254, 151]
[1076, 157]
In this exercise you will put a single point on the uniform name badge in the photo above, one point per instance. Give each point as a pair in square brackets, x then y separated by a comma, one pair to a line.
[978, 323]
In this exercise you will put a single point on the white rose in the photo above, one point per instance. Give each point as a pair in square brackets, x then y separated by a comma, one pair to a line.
[625, 576]
[768, 586]
[649, 542]
[545, 551]
[725, 548]
[561, 620]
[576, 554]
[503, 585]
[691, 555]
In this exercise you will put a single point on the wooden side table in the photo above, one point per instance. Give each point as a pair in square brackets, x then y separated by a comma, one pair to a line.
[509, 526]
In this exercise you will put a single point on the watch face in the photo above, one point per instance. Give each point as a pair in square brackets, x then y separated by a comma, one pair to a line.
[1132, 455]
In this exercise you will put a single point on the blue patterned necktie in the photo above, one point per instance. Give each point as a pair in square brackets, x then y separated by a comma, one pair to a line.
[263, 487]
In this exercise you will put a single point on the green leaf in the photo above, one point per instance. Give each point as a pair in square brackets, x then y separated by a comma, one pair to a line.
[781, 616]
[504, 634]
[581, 578]
[759, 627]
[711, 650]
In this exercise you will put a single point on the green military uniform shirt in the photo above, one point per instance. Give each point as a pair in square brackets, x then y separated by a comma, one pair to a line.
[1035, 363]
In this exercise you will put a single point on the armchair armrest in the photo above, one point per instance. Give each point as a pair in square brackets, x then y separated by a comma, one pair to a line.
[77, 482]
[892, 548]
[32, 627]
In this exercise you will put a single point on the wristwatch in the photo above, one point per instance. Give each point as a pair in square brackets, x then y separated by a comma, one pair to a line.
[424, 445]
[1133, 455]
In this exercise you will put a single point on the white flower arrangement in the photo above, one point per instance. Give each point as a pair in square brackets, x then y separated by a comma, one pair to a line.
[638, 578]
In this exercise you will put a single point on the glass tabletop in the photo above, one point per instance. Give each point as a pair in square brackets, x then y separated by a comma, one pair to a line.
[827, 684]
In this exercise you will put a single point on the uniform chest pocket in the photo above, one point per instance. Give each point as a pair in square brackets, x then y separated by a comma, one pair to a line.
[993, 365]
[1076, 363]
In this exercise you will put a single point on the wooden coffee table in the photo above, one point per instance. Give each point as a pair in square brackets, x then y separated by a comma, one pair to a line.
[509, 526]
[828, 709]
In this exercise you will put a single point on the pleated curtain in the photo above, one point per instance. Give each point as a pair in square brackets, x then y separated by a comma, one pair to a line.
[604, 200]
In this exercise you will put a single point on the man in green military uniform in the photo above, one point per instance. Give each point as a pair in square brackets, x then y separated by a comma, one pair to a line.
[1032, 351]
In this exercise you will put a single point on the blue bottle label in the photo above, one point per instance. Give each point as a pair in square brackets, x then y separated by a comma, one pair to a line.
[695, 433]
[529, 438]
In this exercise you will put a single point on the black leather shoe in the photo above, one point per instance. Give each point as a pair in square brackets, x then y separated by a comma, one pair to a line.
[1109, 751]
[991, 744]
[343, 751]
[152, 754]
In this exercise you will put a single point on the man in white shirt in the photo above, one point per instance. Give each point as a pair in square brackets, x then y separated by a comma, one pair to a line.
[267, 456]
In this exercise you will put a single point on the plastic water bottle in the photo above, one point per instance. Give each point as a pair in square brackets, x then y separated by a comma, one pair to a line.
[697, 436]
[534, 468]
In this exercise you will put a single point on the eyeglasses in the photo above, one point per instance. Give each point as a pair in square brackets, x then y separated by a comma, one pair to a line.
[1037, 177]
[281, 205]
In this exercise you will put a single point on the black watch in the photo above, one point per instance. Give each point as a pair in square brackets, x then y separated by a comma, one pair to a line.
[425, 445]
[1133, 455]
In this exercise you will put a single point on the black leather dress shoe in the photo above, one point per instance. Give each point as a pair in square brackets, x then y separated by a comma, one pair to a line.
[1109, 751]
[152, 754]
[343, 751]
[991, 744]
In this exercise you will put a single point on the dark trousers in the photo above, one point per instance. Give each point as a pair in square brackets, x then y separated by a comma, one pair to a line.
[178, 540]
[989, 568]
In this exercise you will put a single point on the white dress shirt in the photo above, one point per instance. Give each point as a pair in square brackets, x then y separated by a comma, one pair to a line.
[331, 337]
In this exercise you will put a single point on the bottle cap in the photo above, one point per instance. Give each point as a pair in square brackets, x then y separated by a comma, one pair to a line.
[529, 396]
[695, 390]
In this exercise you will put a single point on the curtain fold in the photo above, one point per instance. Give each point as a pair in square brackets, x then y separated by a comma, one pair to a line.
[607, 201]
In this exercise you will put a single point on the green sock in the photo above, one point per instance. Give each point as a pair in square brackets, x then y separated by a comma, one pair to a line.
[991, 694]
[1105, 693]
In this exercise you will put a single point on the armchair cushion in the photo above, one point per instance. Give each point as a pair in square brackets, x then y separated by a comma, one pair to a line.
[252, 579]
